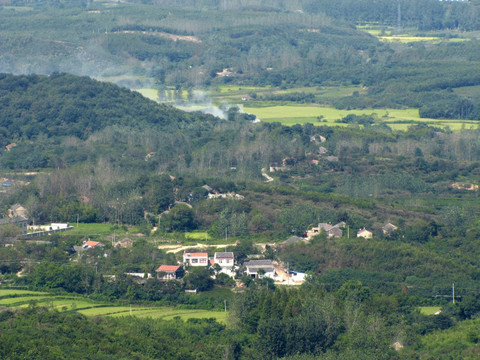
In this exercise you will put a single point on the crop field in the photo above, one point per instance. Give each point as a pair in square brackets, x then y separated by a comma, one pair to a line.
[196, 235]
[398, 119]
[87, 307]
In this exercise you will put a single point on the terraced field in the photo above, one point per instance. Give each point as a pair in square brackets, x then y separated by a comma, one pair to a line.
[23, 298]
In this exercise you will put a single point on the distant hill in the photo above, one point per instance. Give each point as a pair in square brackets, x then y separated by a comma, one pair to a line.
[68, 105]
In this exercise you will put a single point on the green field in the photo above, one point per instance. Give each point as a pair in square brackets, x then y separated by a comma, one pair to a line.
[398, 119]
[429, 310]
[22, 298]
[196, 235]
[151, 94]
[92, 230]
[289, 113]
[10, 292]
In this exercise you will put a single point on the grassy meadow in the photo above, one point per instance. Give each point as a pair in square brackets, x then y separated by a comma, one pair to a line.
[23, 298]
[94, 231]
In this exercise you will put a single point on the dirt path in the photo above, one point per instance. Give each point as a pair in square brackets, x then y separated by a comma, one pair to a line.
[266, 176]
[173, 249]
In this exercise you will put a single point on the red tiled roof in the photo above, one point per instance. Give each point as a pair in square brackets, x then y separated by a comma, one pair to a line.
[204, 254]
[168, 268]
[92, 243]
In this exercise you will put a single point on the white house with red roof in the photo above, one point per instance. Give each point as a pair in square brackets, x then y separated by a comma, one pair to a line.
[169, 272]
[91, 244]
[195, 259]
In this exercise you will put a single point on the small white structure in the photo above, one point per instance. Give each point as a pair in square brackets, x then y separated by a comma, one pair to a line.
[364, 233]
[265, 267]
[140, 275]
[297, 276]
[59, 226]
[230, 196]
[195, 259]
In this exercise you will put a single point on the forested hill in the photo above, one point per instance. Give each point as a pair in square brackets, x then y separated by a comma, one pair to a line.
[64, 104]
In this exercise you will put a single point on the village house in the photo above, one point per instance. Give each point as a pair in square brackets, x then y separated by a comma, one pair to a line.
[17, 210]
[169, 272]
[330, 230]
[275, 167]
[91, 244]
[225, 73]
[195, 259]
[88, 245]
[124, 243]
[206, 187]
[19, 221]
[10, 146]
[388, 229]
[322, 150]
[364, 233]
[260, 268]
[224, 259]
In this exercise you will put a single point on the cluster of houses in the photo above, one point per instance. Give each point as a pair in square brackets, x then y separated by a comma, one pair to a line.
[335, 231]
[224, 263]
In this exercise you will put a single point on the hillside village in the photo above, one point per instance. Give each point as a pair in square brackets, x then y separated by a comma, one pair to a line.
[254, 266]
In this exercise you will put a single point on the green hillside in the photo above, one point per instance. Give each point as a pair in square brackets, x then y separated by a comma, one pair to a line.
[64, 105]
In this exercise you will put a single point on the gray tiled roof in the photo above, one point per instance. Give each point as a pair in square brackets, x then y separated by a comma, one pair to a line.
[224, 255]
[259, 263]
[14, 220]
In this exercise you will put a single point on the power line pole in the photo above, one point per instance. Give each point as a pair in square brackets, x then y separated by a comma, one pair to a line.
[453, 293]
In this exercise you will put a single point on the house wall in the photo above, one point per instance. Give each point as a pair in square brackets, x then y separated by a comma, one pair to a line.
[196, 261]
[224, 262]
